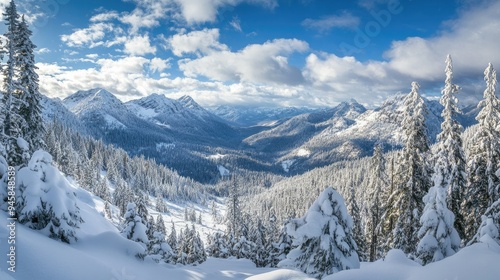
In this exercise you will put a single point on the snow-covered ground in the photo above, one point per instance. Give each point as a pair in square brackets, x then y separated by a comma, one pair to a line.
[102, 253]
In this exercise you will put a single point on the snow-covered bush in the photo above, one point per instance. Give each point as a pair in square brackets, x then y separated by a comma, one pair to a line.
[322, 239]
[45, 200]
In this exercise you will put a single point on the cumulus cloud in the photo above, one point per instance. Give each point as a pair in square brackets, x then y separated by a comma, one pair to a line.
[91, 37]
[258, 63]
[139, 45]
[327, 23]
[200, 42]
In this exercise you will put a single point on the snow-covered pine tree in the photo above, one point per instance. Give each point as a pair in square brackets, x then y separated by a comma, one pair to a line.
[191, 249]
[437, 235]
[413, 180]
[323, 239]
[449, 159]
[217, 246]
[172, 239]
[13, 123]
[484, 158]
[490, 224]
[233, 219]
[45, 200]
[283, 246]
[30, 107]
[378, 183]
[134, 228]
[158, 248]
[357, 230]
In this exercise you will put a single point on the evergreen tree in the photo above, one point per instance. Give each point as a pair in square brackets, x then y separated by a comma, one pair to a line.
[283, 246]
[438, 237]
[357, 230]
[45, 200]
[490, 224]
[323, 239]
[13, 123]
[134, 228]
[172, 240]
[30, 107]
[484, 158]
[234, 214]
[158, 248]
[413, 174]
[378, 182]
[449, 158]
[218, 246]
[191, 249]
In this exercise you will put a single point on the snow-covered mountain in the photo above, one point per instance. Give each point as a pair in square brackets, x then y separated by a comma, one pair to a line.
[183, 135]
[298, 130]
[252, 116]
[347, 131]
[182, 116]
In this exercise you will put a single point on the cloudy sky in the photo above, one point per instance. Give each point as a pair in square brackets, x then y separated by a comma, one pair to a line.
[262, 52]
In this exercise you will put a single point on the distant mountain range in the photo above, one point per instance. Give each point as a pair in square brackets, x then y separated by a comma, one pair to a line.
[196, 141]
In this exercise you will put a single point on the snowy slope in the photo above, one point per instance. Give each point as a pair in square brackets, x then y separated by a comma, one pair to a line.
[183, 116]
[251, 116]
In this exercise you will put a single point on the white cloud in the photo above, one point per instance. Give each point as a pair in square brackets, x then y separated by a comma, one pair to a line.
[139, 45]
[201, 42]
[200, 11]
[265, 63]
[236, 24]
[106, 16]
[472, 40]
[92, 36]
[325, 24]
[158, 65]
[42, 51]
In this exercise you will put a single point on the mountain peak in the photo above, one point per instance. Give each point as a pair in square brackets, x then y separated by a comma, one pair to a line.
[96, 97]
[188, 102]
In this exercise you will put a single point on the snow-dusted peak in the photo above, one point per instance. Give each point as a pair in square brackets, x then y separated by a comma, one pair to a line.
[188, 102]
[156, 104]
[90, 99]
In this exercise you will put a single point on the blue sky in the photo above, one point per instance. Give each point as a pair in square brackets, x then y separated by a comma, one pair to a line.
[262, 52]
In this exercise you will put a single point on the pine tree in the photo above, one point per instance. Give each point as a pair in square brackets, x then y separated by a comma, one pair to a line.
[490, 224]
[437, 235]
[191, 249]
[484, 158]
[323, 238]
[158, 248]
[357, 230]
[30, 107]
[449, 158]
[218, 246]
[233, 214]
[413, 174]
[134, 228]
[45, 200]
[283, 246]
[378, 182]
[172, 240]
[13, 123]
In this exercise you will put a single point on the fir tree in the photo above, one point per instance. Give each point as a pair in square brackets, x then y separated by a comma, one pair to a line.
[218, 246]
[484, 158]
[134, 228]
[323, 239]
[438, 238]
[378, 182]
[357, 230]
[30, 107]
[449, 166]
[13, 123]
[413, 174]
